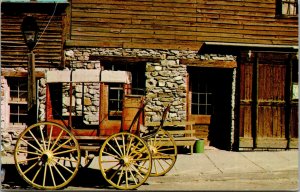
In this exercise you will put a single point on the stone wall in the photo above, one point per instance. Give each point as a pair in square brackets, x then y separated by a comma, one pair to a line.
[165, 84]
[165, 80]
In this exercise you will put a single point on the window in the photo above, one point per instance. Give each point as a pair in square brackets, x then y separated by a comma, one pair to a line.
[201, 99]
[115, 101]
[18, 101]
[201, 92]
[287, 7]
[137, 70]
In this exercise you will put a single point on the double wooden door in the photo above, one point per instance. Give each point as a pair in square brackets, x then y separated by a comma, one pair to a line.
[268, 115]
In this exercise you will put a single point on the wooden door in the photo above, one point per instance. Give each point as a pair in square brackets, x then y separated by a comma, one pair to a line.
[266, 116]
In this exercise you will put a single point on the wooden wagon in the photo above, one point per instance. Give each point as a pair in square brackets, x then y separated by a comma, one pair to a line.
[48, 154]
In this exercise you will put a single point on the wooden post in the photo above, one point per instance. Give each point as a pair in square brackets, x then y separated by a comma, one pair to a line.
[288, 90]
[31, 97]
[254, 116]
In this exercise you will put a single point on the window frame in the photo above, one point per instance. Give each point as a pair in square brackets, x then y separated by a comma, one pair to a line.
[279, 7]
[200, 86]
[18, 102]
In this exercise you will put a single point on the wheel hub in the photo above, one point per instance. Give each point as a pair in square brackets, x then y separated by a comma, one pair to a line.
[126, 160]
[47, 157]
[153, 149]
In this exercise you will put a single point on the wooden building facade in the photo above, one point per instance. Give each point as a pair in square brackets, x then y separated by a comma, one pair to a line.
[241, 56]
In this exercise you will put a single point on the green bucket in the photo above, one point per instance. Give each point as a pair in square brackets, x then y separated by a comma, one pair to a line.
[199, 146]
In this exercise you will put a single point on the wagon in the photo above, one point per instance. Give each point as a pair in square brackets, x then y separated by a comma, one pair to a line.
[49, 154]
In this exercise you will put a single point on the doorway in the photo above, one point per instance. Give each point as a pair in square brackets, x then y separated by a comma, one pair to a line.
[210, 93]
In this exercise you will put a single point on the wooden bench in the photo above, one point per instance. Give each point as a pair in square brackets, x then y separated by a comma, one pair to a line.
[182, 137]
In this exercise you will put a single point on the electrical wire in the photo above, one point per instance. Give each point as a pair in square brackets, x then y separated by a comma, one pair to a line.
[47, 25]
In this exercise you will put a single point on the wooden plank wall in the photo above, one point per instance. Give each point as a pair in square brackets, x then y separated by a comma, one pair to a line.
[48, 52]
[177, 23]
[271, 130]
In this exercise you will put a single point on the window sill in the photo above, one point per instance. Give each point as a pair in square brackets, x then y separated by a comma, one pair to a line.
[286, 16]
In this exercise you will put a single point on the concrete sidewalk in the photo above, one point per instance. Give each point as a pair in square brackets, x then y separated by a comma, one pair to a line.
[212, 170]
[219, 161]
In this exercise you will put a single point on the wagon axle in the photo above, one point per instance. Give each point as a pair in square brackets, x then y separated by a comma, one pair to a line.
[47, 156]
[126, 161]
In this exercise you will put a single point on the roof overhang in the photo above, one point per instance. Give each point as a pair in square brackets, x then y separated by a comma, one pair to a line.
[37, 6]
[239, 47]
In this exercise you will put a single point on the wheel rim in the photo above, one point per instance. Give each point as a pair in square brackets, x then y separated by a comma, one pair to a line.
[124, 161]
[164, 152]
[44, 155]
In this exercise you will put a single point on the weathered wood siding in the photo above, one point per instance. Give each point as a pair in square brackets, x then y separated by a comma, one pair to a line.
[271, 130]
[48, 52]
[177, 23]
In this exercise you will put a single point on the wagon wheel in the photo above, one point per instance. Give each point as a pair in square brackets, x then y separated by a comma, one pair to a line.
[122, 158]
[164, 152]
[44, 155]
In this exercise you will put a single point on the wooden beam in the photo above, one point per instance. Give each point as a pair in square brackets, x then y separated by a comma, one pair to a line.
[9, 73]
[208, 63]
[84, 43]
[188, 46]
[124, 59]
[254, 107]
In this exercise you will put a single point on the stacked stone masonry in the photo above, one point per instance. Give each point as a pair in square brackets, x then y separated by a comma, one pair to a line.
[165, 84]
[165, 80]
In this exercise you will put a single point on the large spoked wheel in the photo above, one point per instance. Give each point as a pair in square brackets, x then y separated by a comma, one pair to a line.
[44, 155]
[122, 161]
[164, 152]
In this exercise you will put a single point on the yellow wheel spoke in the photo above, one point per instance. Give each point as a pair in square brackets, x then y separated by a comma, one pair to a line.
[142, 166]
[133, 176]
[61, 145]
[133, 150]
[141, 159]
[57, 139]
[137, 171]
[59, 173]
[109, 161]
[166, 149]
[37, 142]
[50, 135]
[126, 173]
[120, 176]
[36, 174]
[42, 137]
[155, 168]
[66, 168]
[45, 174]
[30, 167]
[29, 159]
[114, 149]
[112, 167]
[29, 152]
[31, 145]
[126, 177]
[161, 165]
[52, 176]
[67, 151]
[115, 172]
[166, 161]
[123, 139]
[111, 155]
[131, 139]
[42, 155]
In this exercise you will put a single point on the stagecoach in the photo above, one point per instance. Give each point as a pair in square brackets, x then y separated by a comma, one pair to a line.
[49, 154]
